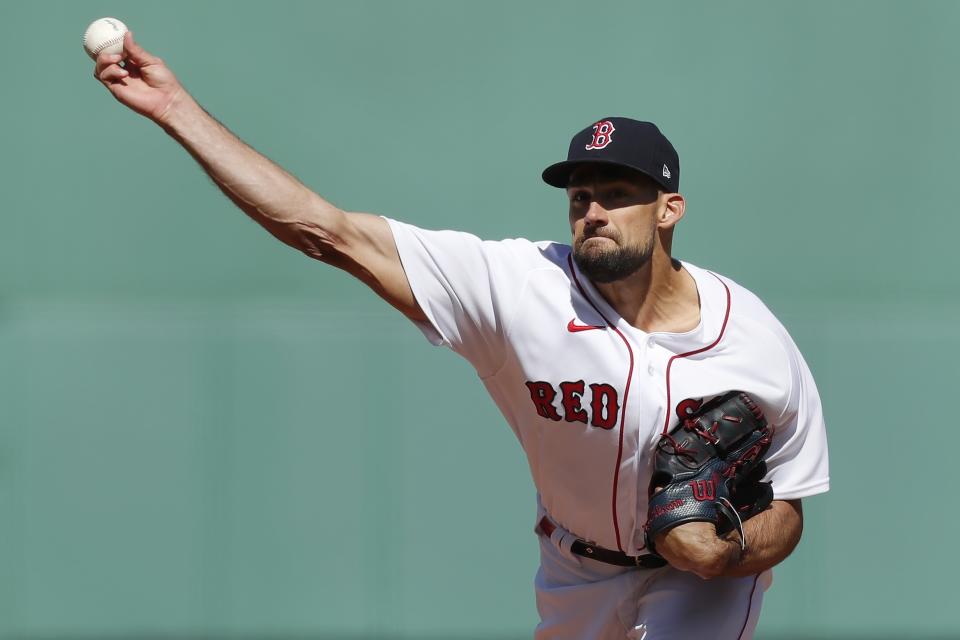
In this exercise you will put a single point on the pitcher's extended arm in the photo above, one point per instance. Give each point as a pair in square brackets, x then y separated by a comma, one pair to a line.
[358, 243]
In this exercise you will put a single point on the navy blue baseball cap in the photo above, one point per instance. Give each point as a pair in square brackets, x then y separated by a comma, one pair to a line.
[623, 142]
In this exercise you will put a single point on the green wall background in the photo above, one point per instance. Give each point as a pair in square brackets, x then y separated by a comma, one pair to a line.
[205, 433]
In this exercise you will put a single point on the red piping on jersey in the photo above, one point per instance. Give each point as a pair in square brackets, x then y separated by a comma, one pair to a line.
[723, 327]
[749, 606]
[626, 397]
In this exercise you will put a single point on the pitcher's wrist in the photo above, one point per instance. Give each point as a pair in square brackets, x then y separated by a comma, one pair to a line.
[179, 114]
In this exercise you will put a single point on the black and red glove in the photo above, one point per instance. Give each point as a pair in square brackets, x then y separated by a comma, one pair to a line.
[709, 468]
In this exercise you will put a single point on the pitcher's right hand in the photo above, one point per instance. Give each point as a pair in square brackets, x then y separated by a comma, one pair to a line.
[144, 83]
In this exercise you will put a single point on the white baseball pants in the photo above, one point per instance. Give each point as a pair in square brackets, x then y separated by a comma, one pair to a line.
[583, 599]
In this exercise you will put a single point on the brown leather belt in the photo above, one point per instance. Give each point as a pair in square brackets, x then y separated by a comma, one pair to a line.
[592, 551]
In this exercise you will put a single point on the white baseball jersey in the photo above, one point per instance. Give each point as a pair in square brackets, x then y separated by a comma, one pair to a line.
[587, 394]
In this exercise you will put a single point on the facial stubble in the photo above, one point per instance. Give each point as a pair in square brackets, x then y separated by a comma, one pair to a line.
[606, 265]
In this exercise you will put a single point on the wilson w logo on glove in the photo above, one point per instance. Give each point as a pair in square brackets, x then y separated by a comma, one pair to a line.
[705, 489]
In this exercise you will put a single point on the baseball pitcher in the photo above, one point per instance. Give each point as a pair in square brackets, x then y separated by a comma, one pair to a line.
[670, 423]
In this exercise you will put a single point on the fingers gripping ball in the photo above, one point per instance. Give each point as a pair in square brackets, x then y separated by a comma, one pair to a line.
[709, 468]
[105, 34]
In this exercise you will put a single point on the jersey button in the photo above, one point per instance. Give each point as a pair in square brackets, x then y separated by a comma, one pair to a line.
[651, 342]
[650, 369]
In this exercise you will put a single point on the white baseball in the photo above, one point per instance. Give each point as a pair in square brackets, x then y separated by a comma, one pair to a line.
[105, 34]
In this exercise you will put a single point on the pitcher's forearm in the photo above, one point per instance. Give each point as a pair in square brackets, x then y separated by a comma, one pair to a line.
[361, 244]
[262, 189]
[771, 536]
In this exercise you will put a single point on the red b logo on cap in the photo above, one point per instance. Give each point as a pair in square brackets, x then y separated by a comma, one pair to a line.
[602, 135]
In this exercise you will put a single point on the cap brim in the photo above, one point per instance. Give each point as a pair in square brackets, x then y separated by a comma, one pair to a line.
[558, 175]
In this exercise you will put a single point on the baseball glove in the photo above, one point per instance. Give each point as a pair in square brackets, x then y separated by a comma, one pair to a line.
[709, 468]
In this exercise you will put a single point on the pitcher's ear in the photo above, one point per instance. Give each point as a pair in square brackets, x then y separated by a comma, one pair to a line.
[671, 211]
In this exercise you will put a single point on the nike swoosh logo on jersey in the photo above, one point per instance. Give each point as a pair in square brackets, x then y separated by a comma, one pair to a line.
[573, 327]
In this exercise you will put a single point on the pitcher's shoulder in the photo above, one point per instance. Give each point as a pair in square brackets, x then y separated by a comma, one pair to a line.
[747, 316]
[540, 254]
[745, 305]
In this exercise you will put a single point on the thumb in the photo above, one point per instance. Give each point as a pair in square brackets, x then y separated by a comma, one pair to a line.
[135, 53]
